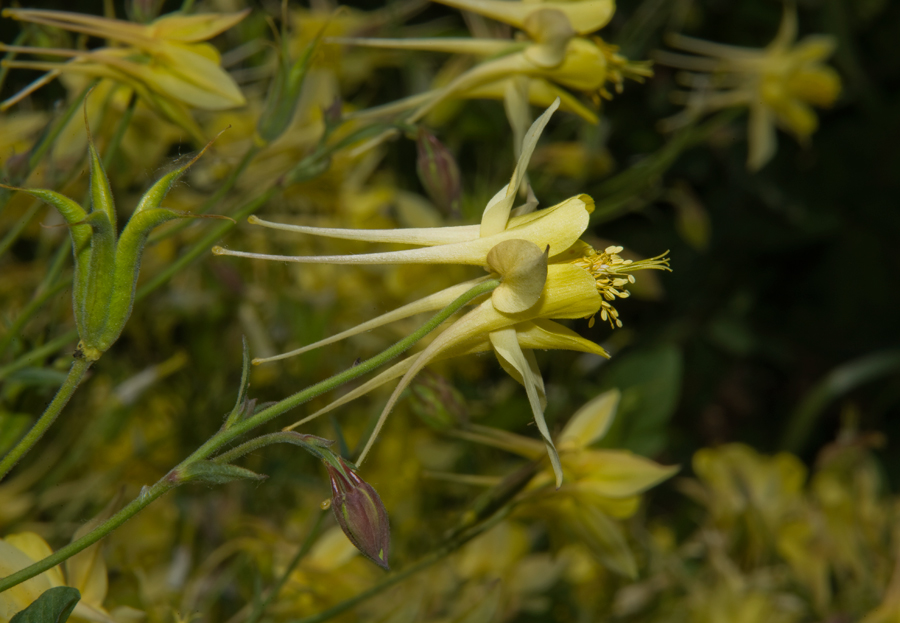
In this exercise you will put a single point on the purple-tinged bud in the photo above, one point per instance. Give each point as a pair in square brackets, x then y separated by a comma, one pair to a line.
[143, 11]
[359, 512]
[438, 172]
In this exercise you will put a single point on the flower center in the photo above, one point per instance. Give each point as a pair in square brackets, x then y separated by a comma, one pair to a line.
[612, 273]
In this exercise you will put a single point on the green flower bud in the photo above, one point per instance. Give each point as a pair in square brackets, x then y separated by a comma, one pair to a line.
[359, 511]
[436, 402]
[438, 172]
[284, 91]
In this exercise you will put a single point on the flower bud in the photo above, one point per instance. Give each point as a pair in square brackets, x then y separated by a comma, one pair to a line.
[359, 511]
[438, 172]
[437, 402]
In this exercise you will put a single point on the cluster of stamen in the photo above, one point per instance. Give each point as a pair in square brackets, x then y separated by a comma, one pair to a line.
[612, 273]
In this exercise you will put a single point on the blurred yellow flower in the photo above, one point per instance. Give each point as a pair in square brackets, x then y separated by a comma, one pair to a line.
[556, 56]
[779, 83]
[85, 571]
[165, 62]
[546, 273]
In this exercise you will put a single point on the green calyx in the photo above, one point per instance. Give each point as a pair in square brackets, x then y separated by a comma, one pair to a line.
[107, 264]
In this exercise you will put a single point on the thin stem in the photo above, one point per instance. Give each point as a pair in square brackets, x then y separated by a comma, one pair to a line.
[21, 223]
[73, 380]
[35, 304]
[38, 353]
[227, 435]
[205, 244]
[440, 553]
[139, 503]
[260, 608]
[214, 199]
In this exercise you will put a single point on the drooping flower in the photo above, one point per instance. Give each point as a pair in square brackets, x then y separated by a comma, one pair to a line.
[166, 62]
[555, 58]
[546, 273]
[780, 83]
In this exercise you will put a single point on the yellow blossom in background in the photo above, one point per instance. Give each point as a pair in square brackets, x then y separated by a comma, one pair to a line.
[165, 62]
[85, 571]
[546, 273]
[780, 83]
[557, 57]
[601, 485]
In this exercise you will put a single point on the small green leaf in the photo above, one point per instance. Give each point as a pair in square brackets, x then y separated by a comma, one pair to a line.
[94, 307]
[128, 265]
[101, 194]
[213, 473]
[53, 606]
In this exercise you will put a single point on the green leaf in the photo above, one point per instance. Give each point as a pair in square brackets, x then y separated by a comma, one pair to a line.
[650, 381]
[213, 473]
[53, 606]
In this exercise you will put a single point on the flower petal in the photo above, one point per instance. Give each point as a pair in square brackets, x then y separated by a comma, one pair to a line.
[433, 302]
[591, 422]
[496, 214]
[424, 236]
[558, 226]
[585, 15]
[522, 266]
[507, 346]
[618, 473]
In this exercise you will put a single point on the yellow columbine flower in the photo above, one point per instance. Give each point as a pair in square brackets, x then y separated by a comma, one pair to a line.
[779, 83]
[546, 273]
[85, 571]
[557, 56]
[165, 61]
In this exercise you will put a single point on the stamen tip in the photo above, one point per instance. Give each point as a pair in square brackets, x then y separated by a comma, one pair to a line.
[253, 219]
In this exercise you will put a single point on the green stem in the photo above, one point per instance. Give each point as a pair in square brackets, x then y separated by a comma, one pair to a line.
[139, 503]
[225, 436]
[615, 195]
[205, 244]
[35, 304]
[260, 608]
[38, 353]
[73, 380]
[21, 223]
[213, 200]
[4, 70]
[442, 552]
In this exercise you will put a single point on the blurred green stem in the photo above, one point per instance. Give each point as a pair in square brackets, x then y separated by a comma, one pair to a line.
[616, 195]
[227, 435]
[25, 315]
[38, 353]
[261, 606]
[73, 380]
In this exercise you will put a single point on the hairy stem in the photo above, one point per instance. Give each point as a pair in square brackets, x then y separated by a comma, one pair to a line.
[73, 380]
[227, 435]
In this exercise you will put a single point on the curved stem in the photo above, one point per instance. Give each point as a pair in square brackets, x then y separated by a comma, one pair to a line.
[73, 380]
[226, 435]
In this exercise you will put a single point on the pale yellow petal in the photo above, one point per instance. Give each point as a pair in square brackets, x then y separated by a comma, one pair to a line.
[522, 266]
[507, 346]
[762, 140]
[450, 45]
[19, 597]
[551, 31]
[36, 549]
[541, 93]
[423, 236]
[591, 422]
[619, 473]
[559, 227]
[496, 214]
[192, 28]
[433, 302]
[543, 334]
[586, 16]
